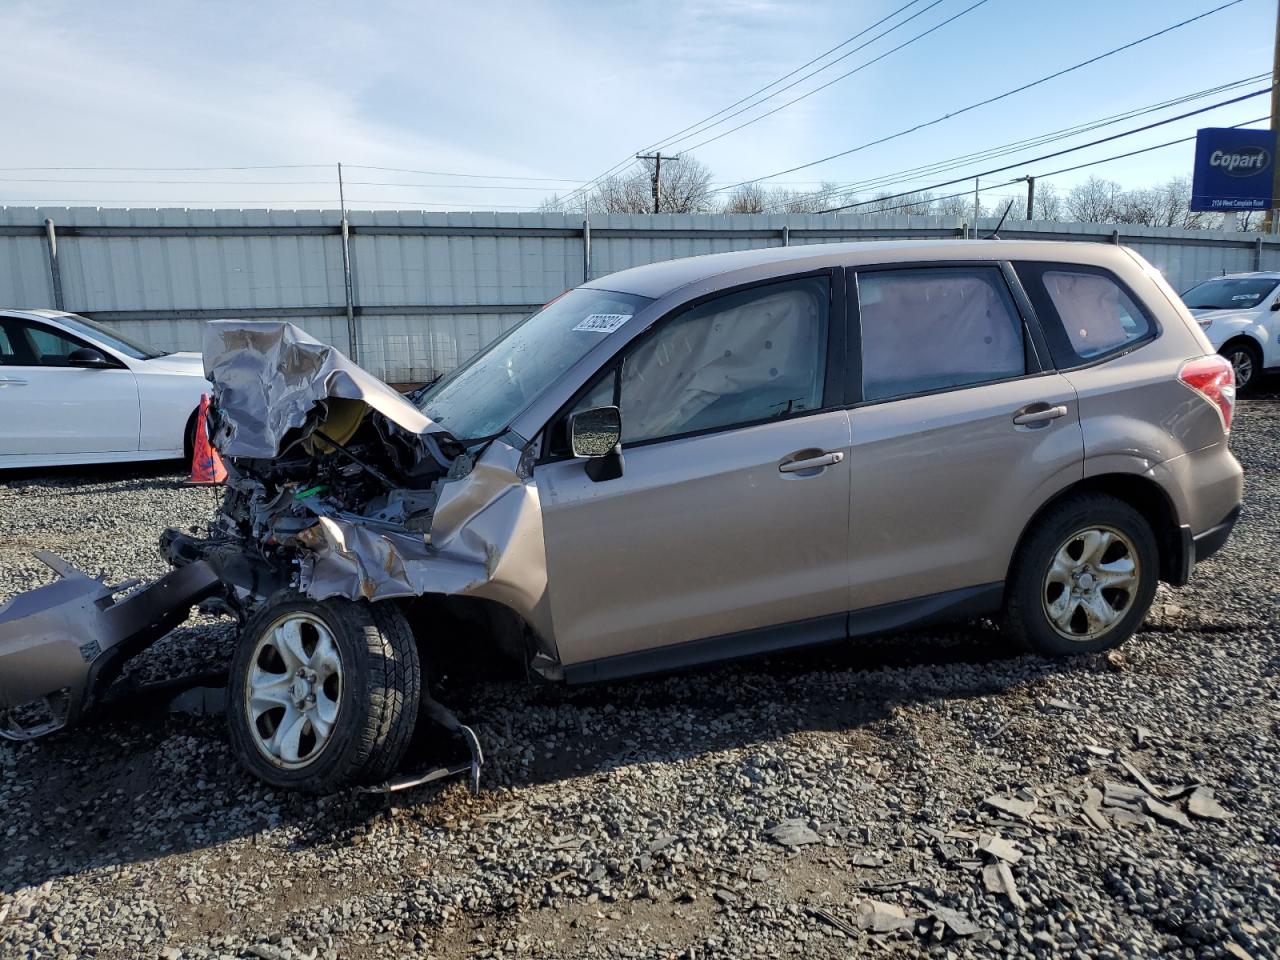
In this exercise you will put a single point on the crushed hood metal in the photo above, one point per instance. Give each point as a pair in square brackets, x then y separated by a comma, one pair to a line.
[268, 377]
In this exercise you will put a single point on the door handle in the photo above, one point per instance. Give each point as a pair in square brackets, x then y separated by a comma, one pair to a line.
[1039, 413]
[811, 463]
[12, 382]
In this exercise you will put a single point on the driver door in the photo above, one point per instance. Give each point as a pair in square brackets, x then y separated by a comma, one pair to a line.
[730, 520]
[48, 408]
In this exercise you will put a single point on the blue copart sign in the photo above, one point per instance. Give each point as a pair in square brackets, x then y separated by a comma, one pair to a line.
[1233, 169]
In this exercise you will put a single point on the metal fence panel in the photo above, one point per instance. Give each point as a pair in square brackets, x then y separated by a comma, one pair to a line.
[430, 289]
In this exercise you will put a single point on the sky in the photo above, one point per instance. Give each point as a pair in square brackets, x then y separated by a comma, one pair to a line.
[494, 105]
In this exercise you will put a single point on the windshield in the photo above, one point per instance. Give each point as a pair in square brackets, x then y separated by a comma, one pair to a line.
[109, 336]
[1228, 294]
[483, 396]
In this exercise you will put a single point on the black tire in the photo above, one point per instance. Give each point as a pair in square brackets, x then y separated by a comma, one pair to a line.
[378, 696]
[189, 438]
[1025, 616]
[1246, 360]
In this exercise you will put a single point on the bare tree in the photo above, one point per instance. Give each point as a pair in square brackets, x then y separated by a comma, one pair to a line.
[1047, 203]
[1094, 201]
[1246, 220]
[909, 204]
[685, 188]
[782, 200]
[568, 204]
[957, 205]
[747, 198]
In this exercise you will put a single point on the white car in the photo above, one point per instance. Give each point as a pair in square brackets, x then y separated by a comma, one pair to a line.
[76, 391]
[1240, 314]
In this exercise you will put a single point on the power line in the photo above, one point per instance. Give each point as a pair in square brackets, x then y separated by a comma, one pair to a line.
[626, 162]
[278, 183]
[1134, 153]
[862, 46]
[297, 166]
[275, 204]
[803, 96]
[994, 99]
[1054, 173]
[472, 176]
[277, 166]
[865, 30]
[989, 153]
[1059, 153]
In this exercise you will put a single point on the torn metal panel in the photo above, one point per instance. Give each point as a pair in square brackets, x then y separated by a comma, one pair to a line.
[61, 645]
[348, 559]
[268, 377]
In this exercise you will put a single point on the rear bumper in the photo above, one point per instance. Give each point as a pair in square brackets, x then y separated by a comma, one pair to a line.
[1201, 546]
[1206, 544]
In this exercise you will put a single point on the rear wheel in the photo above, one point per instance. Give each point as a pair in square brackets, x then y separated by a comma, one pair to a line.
[1246, 361]
[1084, 577]
[323, 694]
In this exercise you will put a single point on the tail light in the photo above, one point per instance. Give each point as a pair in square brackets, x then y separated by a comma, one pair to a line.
[1214, 379]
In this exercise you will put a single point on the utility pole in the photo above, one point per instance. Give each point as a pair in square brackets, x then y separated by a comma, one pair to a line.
[1271, 222]
[976, 207]
[657, 175]
[1031, 197]
[346, 272]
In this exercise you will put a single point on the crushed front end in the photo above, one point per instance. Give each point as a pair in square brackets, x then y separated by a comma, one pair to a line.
[338, 489]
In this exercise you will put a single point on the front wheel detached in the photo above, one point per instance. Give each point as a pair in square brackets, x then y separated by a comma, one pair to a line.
[1084, 577]
[323, 694]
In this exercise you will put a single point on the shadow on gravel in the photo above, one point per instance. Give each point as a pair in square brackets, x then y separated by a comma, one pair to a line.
[164, 472]
[136, 783]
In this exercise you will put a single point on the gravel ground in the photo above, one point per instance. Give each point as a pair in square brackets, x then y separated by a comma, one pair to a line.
[928, 794]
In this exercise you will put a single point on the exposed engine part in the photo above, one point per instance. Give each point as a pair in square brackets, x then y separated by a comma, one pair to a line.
[62, 645]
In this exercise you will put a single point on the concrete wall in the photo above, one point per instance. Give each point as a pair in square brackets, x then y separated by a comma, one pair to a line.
[430, 289]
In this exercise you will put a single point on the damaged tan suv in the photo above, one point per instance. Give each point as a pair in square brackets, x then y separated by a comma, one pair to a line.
[697, 460]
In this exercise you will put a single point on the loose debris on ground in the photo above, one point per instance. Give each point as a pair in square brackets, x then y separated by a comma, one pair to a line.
[928, 794]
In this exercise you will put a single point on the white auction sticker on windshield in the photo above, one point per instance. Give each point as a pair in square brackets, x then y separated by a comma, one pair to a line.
[603, 322]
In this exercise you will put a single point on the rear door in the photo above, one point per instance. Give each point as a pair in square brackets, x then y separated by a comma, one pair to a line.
[960, 430]
[48, 408]
[732, 513]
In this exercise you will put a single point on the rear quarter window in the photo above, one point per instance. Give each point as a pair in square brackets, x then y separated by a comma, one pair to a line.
[1086, 312]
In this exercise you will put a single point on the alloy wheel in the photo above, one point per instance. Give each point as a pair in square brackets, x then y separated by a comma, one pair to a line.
[294, 689]
[1242, 364]
[1091, 583]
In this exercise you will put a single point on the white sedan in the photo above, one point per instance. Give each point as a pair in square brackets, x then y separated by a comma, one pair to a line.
[73, 390]
[1240, 314]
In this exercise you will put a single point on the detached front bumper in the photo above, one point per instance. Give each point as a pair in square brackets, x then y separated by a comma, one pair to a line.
[62, 645]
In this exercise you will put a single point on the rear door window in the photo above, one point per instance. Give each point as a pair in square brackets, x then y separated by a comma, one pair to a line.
[1086, 312]
[931, 329]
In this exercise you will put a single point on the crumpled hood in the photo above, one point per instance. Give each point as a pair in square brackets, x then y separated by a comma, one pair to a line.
[268, 375]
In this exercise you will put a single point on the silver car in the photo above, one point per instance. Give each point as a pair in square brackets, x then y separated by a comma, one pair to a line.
[705, 459]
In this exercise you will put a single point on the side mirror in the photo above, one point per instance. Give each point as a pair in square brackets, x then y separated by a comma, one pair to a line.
[1275, 305]
[88, 357]
[597, 435]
